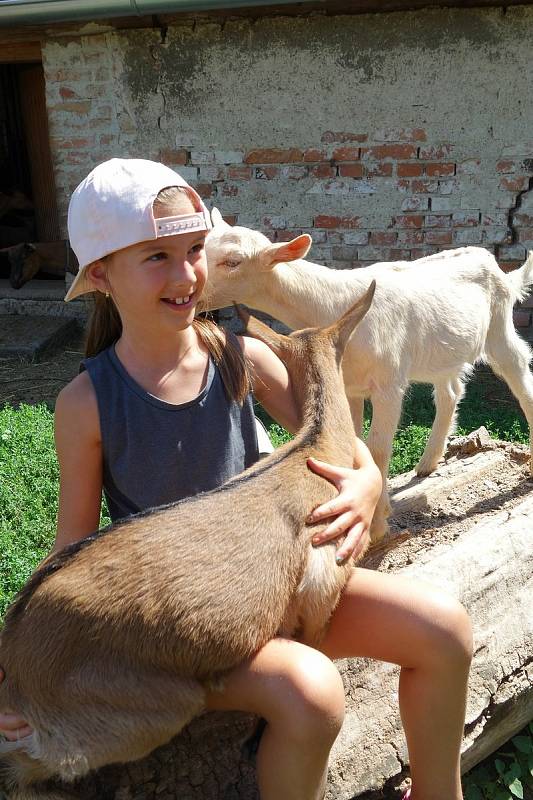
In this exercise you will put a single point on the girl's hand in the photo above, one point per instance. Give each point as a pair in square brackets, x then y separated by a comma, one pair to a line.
[353, 508]
[12, 726]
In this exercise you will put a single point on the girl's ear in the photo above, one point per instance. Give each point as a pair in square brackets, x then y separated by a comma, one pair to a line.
[97, 275]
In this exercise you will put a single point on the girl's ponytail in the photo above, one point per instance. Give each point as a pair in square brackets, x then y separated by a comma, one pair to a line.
[105, 326]
[228, 356]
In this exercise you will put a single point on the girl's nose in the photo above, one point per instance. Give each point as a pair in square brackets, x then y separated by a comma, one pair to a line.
[183, 271]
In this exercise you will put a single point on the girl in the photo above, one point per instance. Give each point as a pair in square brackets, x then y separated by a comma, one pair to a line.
[163, 411]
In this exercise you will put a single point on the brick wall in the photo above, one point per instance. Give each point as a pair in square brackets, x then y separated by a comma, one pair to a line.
[285, 154]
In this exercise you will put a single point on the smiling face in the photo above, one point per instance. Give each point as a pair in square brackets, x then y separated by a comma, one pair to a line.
[157, 282]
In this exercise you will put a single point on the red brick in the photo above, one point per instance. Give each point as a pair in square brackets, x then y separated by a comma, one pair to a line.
[437, 221]
[435, 151]
[325, 221]
[396, 151]
[346, 154]
[438, 237]
[323, 171]
[397, 254]
[66, 93]
[75, 107]
[106, 138]
[383, 237]
[283, 235]
[410, 237]
[421, 186]
[525, 235]
[409, 221]
[229, 190]
[402, 135]
[239, 173]
[312, 154]
[410, 170]
[273, 156]
[506, 166]
[71, 144]
[423, 252]
[204, 189]
[231, 219]
[351, 170]
[169, 156]
[509, 266]
[330, 137]
[514, 184]
[523, 219]
[266, 173]
[75, 158]
[440, 170]
[381, 170]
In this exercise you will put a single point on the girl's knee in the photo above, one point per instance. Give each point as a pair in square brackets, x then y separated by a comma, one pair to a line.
[311, 698]
[451, 631]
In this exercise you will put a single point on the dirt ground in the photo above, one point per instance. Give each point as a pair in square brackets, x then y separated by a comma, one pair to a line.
[32, 382]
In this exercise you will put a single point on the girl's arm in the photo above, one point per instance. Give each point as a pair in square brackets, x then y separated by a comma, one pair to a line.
[348, 515]
[79, 452]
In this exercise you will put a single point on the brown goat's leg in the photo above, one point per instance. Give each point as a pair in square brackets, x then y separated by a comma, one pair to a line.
[23, 778]
[118, 719]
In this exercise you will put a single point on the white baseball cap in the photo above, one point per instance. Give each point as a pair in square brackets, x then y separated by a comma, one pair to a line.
[112, 209]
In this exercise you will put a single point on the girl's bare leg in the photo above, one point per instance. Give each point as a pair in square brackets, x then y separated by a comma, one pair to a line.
[300, 694]
[428, 633]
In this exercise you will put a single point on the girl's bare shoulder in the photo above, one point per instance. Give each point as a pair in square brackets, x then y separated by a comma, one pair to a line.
[77, 407]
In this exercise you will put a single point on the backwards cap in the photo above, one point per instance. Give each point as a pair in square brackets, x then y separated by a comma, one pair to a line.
[112, 208]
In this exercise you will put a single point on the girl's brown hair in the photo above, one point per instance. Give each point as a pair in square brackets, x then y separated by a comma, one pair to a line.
[105, 325]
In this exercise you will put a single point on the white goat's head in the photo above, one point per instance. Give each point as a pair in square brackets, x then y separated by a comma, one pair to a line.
[238, 258]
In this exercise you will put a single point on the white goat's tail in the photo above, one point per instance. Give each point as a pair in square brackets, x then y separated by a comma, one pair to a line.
[521, 279]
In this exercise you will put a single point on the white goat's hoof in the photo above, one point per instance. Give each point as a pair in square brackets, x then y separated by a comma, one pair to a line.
[378, 530]
[425, 467]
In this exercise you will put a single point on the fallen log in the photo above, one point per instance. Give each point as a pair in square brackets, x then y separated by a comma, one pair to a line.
[488, 565]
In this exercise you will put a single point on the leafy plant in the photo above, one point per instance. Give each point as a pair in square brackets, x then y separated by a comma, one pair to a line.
[507, 774]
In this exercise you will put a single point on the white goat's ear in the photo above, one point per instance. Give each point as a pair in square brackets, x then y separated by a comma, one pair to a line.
[217, 220]
[286, 251]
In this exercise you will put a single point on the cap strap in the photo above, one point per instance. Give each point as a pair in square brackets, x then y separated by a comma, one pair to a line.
[184, 223]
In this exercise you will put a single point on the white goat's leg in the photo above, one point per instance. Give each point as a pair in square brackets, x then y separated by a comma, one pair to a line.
[509, 357]
[386, 410]
[446, 396]
[357, 406]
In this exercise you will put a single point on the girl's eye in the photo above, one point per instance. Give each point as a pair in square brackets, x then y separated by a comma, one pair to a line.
[198, 247]
[157, 257]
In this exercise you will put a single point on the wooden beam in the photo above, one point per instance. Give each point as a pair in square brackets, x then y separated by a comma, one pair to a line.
[20, 52]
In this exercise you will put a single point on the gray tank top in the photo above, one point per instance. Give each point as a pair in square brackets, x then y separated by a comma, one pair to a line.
[156, 452]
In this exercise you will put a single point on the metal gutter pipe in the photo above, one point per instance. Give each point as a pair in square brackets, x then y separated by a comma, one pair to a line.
[35, 12]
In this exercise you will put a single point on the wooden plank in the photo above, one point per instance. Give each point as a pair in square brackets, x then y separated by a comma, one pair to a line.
[35, 122]
[20, 52]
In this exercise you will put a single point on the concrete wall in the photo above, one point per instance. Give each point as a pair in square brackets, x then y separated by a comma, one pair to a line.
[385, 136]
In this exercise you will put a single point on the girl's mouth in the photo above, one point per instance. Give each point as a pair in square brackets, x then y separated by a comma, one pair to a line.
[182, 302]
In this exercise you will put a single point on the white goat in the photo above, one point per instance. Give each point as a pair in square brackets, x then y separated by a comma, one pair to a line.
[430, 321]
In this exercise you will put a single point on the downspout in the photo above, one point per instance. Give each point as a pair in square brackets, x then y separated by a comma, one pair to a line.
[35, 12]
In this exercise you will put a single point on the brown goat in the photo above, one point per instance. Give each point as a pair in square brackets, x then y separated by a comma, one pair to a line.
[109, 647]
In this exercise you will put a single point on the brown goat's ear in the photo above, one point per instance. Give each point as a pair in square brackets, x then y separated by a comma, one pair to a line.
[253, 327]
[341, 331]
